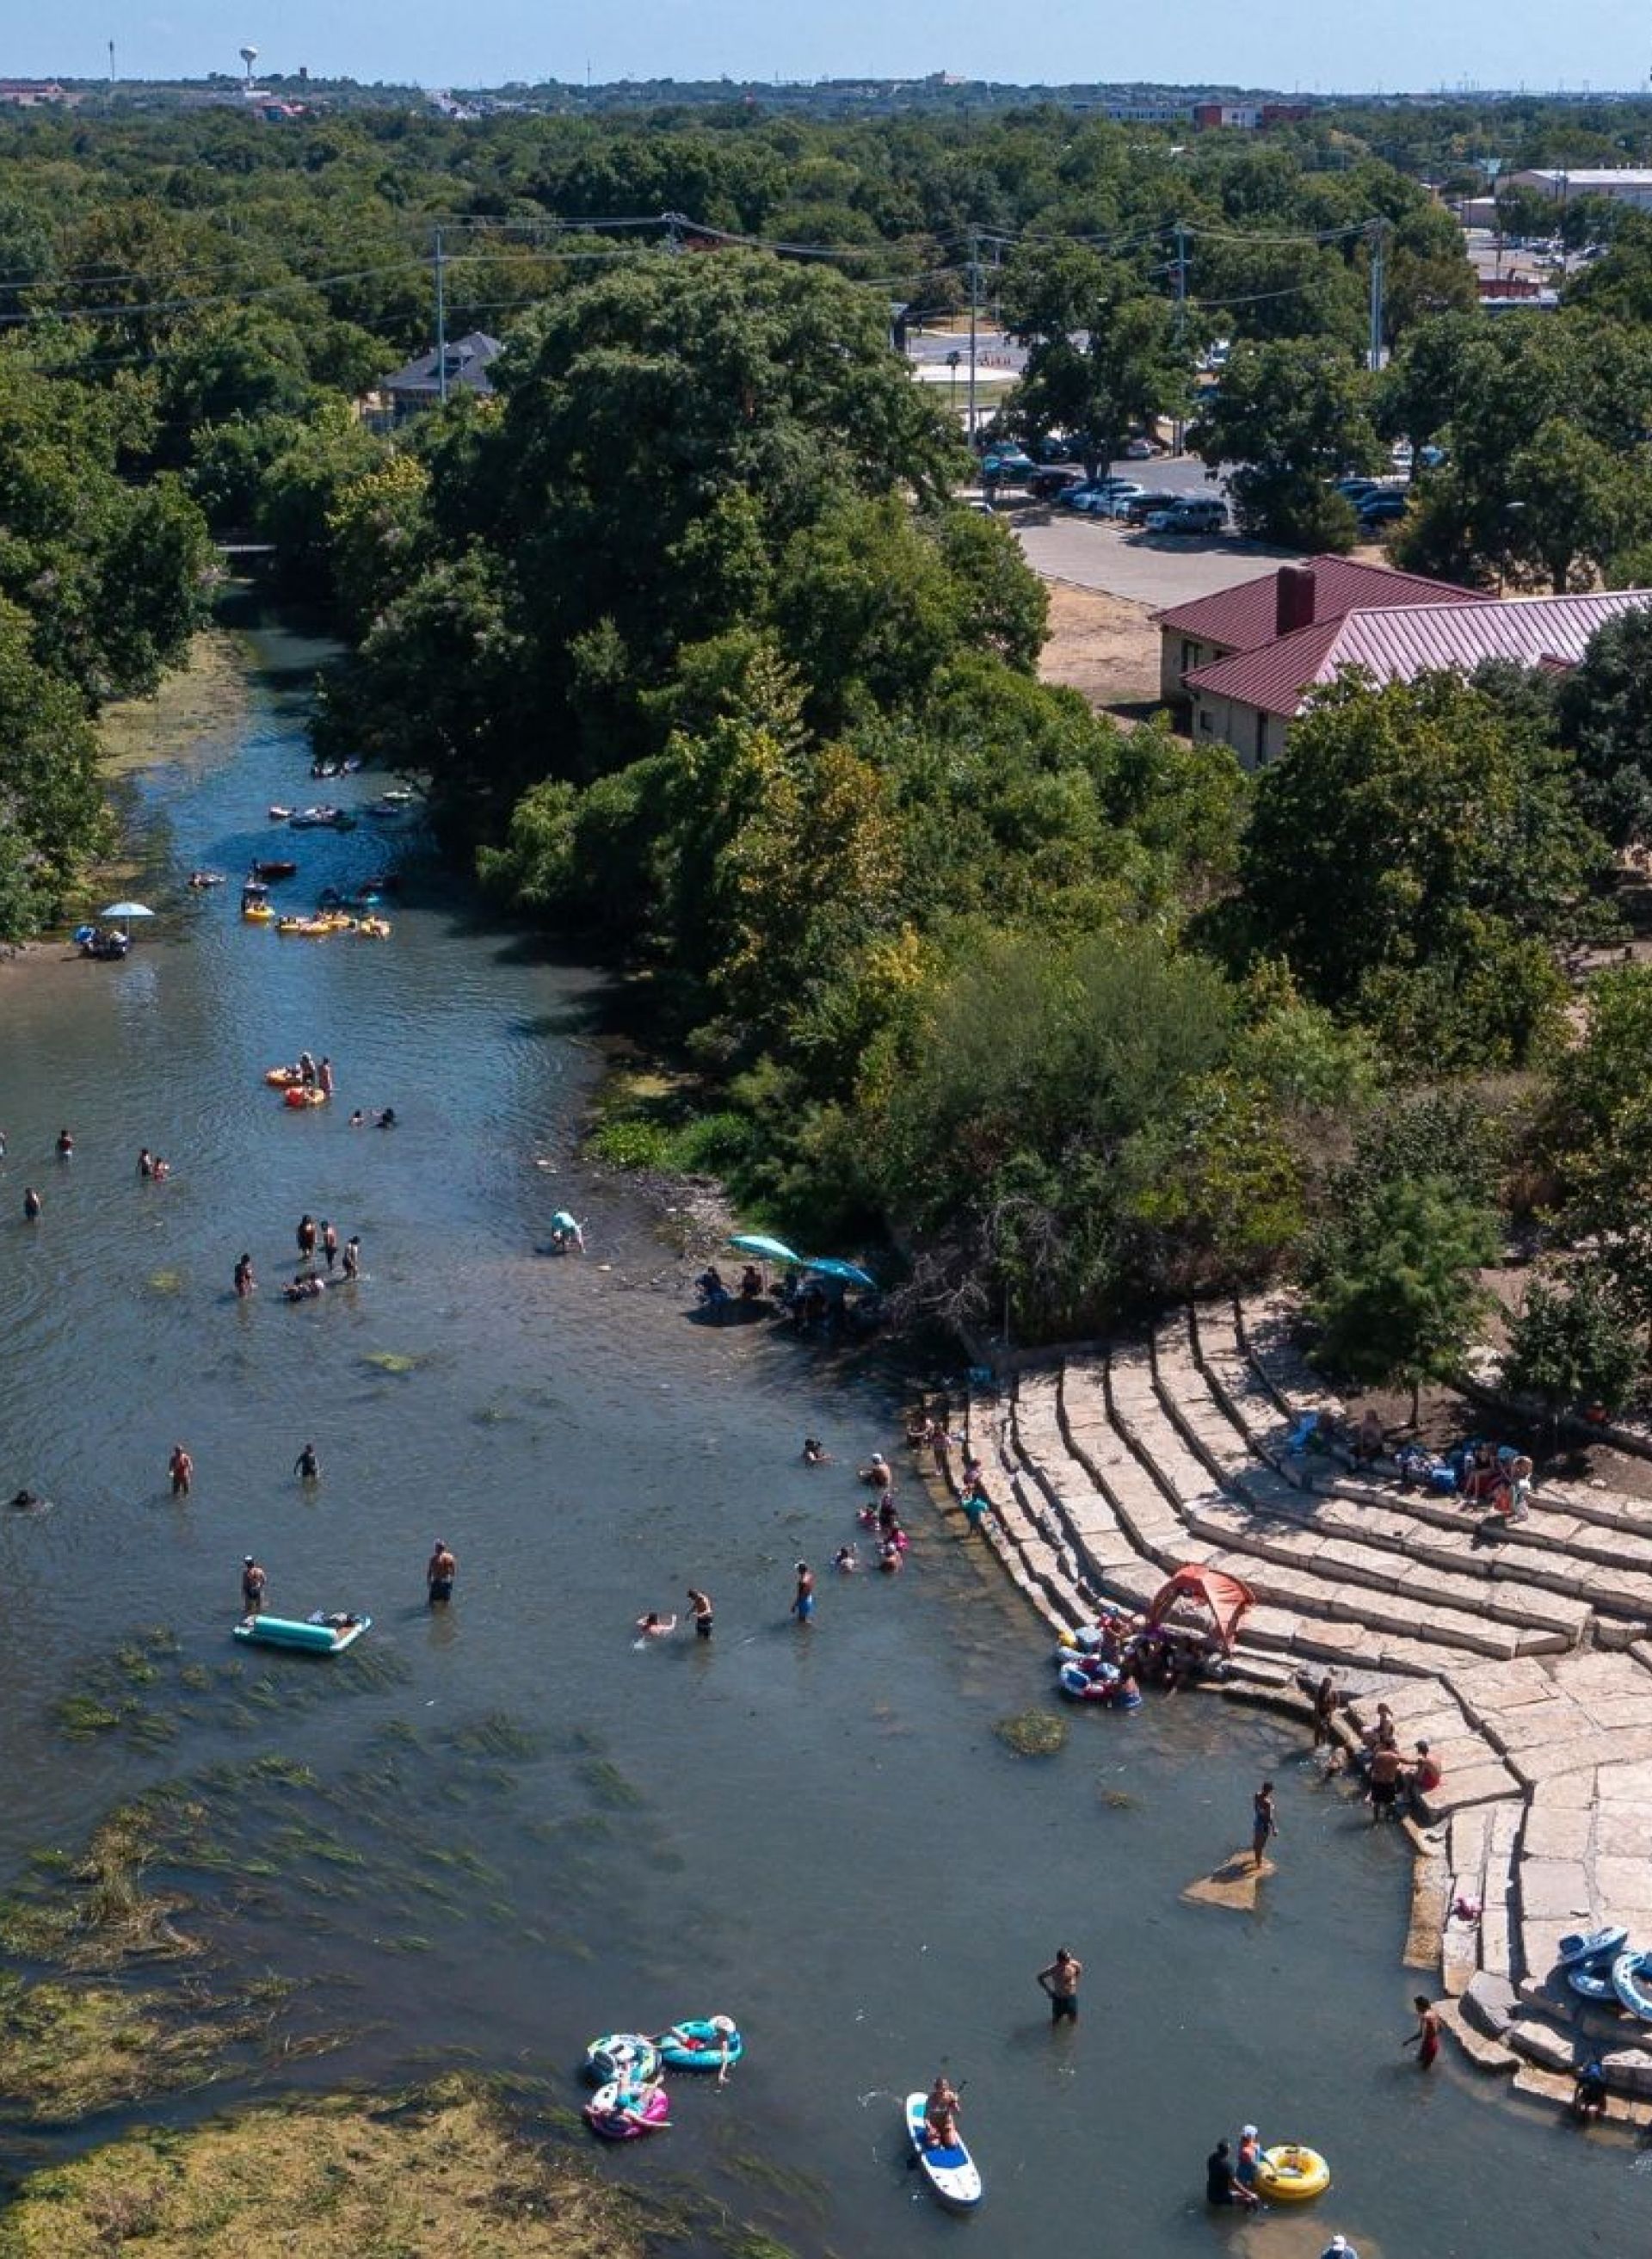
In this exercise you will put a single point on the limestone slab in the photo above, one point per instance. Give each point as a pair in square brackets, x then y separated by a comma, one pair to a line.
[1555, 1832]
[1575, 1790]
[1553, 1890]
[1623, 1831]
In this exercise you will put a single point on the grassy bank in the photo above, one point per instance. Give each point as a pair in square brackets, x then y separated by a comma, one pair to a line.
[446, 2169]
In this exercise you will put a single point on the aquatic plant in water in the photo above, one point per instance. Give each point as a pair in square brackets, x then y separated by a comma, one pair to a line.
[1032, 1733]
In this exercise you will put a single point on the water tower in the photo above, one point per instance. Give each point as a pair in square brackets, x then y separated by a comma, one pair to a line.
[249, 56]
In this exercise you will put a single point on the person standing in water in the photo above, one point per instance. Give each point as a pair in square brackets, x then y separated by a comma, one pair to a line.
[353, 1256]
[65, 1146]
[1425, 2038]
[1264, 1822]
[306, 1238]
[1060, 1981]
[31, 1205]
[440, 1572]
[306, 1466]
[701, 1603]
[329, 1242]
[181, 1467]
[252, 1583]
[245, 1282]
[323, 1078]
[804, 1600]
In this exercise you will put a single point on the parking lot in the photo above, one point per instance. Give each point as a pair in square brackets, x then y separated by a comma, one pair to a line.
[1149, 568]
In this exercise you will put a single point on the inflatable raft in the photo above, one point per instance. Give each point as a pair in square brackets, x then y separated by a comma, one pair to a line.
[1588, 1945]
[1291, 2173]
[630, 2058]
[1632, 1982]
[319, 1635]
[621, 2113]
[951, 2172]
[703, 2043]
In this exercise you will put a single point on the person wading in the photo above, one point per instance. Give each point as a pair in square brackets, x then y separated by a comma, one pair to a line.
[440, 1572]
[1060, 1981]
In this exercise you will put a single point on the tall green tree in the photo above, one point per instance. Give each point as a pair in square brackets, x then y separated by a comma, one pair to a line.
[1290, 416]
[1102, 353]
[1414, 855]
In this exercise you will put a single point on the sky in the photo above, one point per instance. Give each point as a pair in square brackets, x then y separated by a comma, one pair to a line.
[1286, 44]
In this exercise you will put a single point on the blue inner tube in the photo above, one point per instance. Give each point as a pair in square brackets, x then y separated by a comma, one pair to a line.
[1629, 1974]
[1590, 1982]
[694, 2045]
[1592, 1945]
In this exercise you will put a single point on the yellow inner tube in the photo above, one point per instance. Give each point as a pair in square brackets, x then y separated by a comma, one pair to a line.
[257, 910]
[1292, 2174]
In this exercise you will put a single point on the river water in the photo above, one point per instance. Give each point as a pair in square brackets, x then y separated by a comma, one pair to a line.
[522, 1830]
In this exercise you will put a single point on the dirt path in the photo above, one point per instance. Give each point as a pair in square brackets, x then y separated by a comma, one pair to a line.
[1104, 647]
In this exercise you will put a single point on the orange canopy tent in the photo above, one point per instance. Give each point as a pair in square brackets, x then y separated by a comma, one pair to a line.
[1226, 1597]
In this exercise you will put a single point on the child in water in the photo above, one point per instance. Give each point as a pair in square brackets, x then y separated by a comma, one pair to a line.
[845, 1560]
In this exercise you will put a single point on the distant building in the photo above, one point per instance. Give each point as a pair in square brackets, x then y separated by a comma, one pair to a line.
[1248, 117]
[1620, 183]
[31, 92]
[419, 384]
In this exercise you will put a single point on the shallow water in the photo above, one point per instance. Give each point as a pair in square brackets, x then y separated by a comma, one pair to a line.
[523, 1830]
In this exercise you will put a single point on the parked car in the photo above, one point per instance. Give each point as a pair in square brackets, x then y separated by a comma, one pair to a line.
[1355, 490]
[1192, 514]
[1008, 465]
[1138, 507]
[1381, 509]
[1054, 447]
[1116, 501]
[1139, 450]
[1047, 484]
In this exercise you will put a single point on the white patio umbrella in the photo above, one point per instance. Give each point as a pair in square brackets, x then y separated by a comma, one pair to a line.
[126, 912]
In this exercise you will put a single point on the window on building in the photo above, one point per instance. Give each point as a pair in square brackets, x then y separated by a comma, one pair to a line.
[1189, 656]
[1207, 728]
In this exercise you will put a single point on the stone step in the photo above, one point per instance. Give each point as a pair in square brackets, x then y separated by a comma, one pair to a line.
[1286, 1560]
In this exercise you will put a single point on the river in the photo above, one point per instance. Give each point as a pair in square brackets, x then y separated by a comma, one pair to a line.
[533, 1830]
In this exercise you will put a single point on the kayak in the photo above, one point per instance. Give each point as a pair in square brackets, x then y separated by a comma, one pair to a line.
[631, 2057]
[699, 2044]
[950, 2172]
[621, 2113]
[321, 1635]
[265, 872]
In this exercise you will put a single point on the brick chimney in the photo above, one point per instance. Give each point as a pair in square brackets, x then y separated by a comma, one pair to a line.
[1294, 604]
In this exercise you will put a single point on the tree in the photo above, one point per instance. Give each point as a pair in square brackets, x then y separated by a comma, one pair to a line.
[52, 811]
[1292, 415]
[1572, 1341]
[1604, 1132]
[1605, 718]
[1102, 353]
[1393, 1287]
[1412, 856]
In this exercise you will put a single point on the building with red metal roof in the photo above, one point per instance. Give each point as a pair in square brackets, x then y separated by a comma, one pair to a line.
[1249, 699]
[1277, 604]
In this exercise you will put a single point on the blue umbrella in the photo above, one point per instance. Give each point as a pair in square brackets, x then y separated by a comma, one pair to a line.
[830, 1266]
[759, 1243]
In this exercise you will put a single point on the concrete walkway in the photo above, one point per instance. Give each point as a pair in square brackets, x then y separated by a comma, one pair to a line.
[1522, 1654]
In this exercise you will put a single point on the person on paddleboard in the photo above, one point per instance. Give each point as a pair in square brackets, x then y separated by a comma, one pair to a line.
[940, 2113]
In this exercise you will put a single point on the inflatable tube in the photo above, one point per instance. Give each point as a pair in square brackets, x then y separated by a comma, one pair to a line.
[697, 2045]
[297, 1096]
[1590, 1980]
[1080, 1687]
[621, 2113]
[1632, 1982]
[284, 1078]
[630, 2058]
[1290, 2174]
[1592, 1945]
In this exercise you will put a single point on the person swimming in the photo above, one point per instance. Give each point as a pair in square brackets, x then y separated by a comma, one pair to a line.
[654, 1626]
[814, 1453]
[845, 1560]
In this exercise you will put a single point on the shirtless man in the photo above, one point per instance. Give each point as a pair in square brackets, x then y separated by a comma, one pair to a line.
[252, 1583]
[804, 1600]
[353, 1256]
[701, 1603]
[306, 1236]
[940, 2113]
[181, 1467]
[440, 1572]
[1425, 2038]
[1060, 1980]
[1385, 1781]
[330, 1241]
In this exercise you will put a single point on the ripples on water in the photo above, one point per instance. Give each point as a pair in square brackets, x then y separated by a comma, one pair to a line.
[522, 1830]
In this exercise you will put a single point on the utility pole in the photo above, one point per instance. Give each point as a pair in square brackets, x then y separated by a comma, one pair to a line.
[1179, 430]
[974, 293]
[1378, 233]
[441, 323]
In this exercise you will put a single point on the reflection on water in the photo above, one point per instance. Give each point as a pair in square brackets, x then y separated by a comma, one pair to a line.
[489, 1834]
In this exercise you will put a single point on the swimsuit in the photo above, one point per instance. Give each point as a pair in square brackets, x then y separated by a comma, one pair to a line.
[804, 1606]
[1063, 2006]
[702, 1625]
